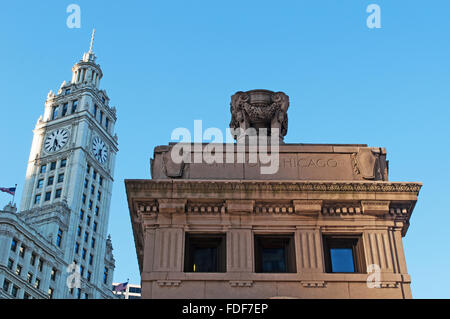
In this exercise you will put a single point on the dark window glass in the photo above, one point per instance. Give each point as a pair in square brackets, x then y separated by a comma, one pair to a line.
[93, 242]
[55, 112]
[107, 123]
[52, 166]
[81, 214]
[18, 270]
[88, 168]
[100, 180]
[40, 183]
[74, 106]
[30, 277]
[91, 259]
[67, 91]
[105, 275]
[63, 163]
[37, 199]
[10, 264]
[22, 251]
[33, 259]
[94, 227]
[40, 264]
[135, 290]
[99, 196]
[48, 196]
[79, 231]
[274, 253]
[6, 284]
[58, 193]
[95, 110]
[14, 291]
[53, 274]
[43, 169]
[50, 293]
[205, 253]
[86, 183]
[92, 189]
[64, 109]
[83, 198]
[50, 180]
[13, 244]
[60, 178]
[97, 210]
[77, 248]
[344, 254]
[59, 238]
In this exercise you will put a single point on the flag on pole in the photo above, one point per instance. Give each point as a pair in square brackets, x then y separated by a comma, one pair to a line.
[10, 190]
[121, 287]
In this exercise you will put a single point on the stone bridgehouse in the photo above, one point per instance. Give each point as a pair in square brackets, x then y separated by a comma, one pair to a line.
[327, 224]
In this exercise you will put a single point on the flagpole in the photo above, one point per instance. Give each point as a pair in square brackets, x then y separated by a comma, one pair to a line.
[14, 196]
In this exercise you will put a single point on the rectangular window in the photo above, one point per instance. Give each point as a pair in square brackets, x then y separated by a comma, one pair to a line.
[97, 210]
[37, 199]
[86, 183]
[83, 198]
[81, 214]
[92, 189]
[26, 296]
[14, 291]
[13, 244]
[105, 276]
[86, 237]
[48, 195]
[40, 264]
[58, 193]
[95, 110]
[91, 259]
[64, 109]
[81, 270]
[10, 264]
[88, 277]
[50, 180]
[74, 106]
[50, 293]
[30, 278]
[78, 293]
[274, 254]
[90, 205]
[52, 166]
[59, 237]
[88, 220]
[6, 284]
[53, 274]
[83, 254]
[93, 242]
[99, 195]
[94, 175]
[40, 183]
[33, 259]
[205, 253]
[37, 283]
[77, 248]
[79, 231]
[55, 112]
[67, 91]
[107, 123]
[18, 270]
[88, 168]
[101, 117]
[60, 178]
[344, 254]
[94, 227]
[63, 163]
[22, 251]
[43, 169]
[100, 181]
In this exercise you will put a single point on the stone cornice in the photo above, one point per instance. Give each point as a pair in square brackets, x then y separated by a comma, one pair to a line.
[214, 186]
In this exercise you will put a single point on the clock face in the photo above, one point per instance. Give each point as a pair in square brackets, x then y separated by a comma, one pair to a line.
[100, 150]
[56, 140]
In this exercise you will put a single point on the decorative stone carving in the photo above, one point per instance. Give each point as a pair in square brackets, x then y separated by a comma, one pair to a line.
[259, 109]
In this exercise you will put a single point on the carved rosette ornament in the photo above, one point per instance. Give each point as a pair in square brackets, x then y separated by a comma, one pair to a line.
[259, 109]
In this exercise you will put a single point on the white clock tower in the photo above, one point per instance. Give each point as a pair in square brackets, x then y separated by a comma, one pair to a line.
[69, 178]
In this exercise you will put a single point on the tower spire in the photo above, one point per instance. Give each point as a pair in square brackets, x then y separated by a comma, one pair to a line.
[92, 41]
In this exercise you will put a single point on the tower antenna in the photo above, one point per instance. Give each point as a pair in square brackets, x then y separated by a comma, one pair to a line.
[92, 40]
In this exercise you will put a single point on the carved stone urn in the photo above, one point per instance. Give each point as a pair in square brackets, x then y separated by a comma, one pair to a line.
[259, 109]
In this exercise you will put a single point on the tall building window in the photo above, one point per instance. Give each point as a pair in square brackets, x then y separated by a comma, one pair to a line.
[67, 91]
[26, 295]
[61, 178]
[40, 183]
[101, 117]
[99, 195]
[33, 259]
[344, 254]
[50, 180]
[53, 274]
[63, 163]
[81, 214]
[18, 270]
[78, 293]
[81, 270]
[105, 276]
[83, 254]
[22, 251]
[88, 277]
[43, 169]
[37, 283]
[58, 193]
[88, 220]
[93, 242]
[91, 259]
[94, 227]
[100, 181]
[54, 112]
[37, 199]
[83, 198]
[86, 236]
[30, 278]
[94, 175]
[6, 284]
[40, 264]
[205, 253]
[10, 264]
[14, 291]
[64, 109]
[48, 195]
[274, 254]
[95, 110]
[77, 248]
[13, 244]
[86, 183]
[92, 189]
[52, 166]
[90, 205]
[88, 168]
[97, 210]
[74, 106]
[50, 293]
[59, 237]
[107, 123]
[79, 231]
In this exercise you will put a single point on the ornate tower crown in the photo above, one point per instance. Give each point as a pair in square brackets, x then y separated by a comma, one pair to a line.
[259, 109]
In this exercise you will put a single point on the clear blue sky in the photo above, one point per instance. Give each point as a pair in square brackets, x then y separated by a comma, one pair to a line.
[168, 63]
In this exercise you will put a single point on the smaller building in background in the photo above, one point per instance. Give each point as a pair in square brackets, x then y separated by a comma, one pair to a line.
[130, 291]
